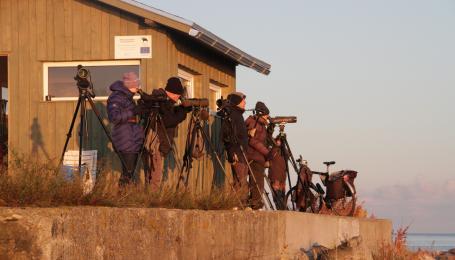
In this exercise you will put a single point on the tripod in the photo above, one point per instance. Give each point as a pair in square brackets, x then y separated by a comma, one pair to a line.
[288, 156]
[85, 94]
[154, 117]
[234, 140]
[195, 128]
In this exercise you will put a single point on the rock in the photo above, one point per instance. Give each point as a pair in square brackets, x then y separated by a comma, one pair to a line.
[452, 251]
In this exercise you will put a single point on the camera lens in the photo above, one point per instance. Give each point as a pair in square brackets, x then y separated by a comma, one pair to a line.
[82, 73]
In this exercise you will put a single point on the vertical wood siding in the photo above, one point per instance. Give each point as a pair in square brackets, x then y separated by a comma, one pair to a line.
[37, 31]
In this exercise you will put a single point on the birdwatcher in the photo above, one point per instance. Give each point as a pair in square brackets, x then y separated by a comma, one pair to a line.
[257, 152]
[127, 134]
[235, 138]
[167, 115]
[277, 174]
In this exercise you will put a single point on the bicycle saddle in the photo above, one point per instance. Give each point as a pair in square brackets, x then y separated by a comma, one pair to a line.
[329, 163]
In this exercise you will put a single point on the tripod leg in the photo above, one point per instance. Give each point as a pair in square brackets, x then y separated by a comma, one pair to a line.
[171, 144]
[69, 134]
[214, 153]
[190, 155]
[106, 131]
[187, 155]
[291, 156]
[254, 179]
[81, 134]
[286, 159]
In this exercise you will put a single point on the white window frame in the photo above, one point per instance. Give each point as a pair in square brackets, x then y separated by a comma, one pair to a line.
[217, 90]
[47, 65]
[190, 78]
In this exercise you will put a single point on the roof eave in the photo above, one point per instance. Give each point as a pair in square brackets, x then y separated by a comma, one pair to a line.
[192, 29]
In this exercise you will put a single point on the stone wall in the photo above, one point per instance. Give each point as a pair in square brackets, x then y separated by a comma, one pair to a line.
[136, 233]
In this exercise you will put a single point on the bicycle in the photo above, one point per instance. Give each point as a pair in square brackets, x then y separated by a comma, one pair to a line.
[339, 197]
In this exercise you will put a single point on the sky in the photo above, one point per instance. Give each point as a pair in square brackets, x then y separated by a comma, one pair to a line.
[371, 82]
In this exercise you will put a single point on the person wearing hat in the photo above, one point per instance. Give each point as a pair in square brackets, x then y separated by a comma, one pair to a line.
[127, 134]
[257, 152]
[235, 138]
[160, 139]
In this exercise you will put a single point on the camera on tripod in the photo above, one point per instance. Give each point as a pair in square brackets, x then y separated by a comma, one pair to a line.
[84, 81]
[195, 102]
[199, 106]
[280, 120]
[223, 110]
[151, 101]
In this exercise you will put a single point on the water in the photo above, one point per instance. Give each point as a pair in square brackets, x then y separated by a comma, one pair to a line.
[434, 242]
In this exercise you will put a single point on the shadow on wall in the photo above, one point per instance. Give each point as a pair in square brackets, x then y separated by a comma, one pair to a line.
[96, 139]
[37, 139]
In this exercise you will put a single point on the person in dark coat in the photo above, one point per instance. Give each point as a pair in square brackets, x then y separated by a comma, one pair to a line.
[160, 139]
[258, 153]
[277, 174]
[127, 134]
[235, 137]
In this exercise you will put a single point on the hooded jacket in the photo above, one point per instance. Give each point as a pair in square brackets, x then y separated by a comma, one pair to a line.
[128, 137]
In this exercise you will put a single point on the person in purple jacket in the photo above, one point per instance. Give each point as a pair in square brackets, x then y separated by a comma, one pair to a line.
[127, 134]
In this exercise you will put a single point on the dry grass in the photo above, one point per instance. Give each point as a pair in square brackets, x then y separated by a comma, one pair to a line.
[398, 250]
[361, 212]
[31, 183]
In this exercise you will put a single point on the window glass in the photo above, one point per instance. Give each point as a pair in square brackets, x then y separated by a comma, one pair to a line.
[214, 95]
[61, 84]
[187, 82]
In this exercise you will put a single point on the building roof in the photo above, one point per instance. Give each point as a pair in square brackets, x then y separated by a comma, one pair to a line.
[192, 29]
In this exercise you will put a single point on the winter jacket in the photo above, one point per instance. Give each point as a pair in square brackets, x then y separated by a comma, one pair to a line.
[128, 137]
[277, 170]
[234, 134]
[257, 149]
[170, 114]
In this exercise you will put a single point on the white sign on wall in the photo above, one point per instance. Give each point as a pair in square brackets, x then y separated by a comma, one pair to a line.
[133, 47]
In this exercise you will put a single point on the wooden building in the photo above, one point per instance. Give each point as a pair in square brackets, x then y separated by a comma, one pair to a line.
[42, 42]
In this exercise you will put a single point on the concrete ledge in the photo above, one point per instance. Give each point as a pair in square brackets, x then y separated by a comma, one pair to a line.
[136, 233]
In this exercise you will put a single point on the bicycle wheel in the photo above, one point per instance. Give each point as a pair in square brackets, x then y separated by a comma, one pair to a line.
[346, 205]
[315, 201]
[291, 197]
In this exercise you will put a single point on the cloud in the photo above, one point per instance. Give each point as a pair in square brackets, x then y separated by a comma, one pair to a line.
[428, 205]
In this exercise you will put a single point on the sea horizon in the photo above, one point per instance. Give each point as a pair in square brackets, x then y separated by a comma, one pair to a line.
[430, 241]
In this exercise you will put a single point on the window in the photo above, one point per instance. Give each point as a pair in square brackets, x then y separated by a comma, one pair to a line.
[187, 82]
[214, 95]
[59, 83]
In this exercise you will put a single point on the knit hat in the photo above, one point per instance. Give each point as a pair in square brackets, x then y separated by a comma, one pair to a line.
[235, 98]
[261, 108]
[130, 80]
[174, 85]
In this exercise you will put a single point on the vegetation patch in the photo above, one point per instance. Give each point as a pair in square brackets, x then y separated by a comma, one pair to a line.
[32, 183]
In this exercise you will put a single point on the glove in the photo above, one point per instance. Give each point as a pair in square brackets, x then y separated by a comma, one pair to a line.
[269, 156]
[140, 109]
